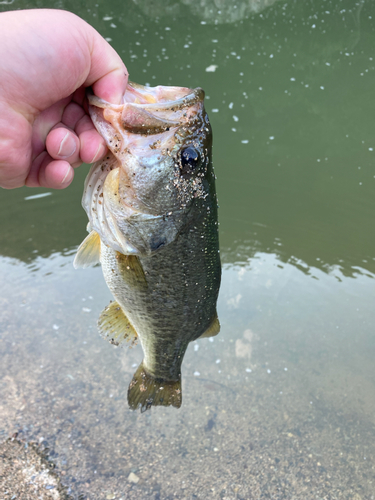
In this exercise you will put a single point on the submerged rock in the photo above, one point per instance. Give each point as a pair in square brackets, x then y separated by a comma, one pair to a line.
[26, 473]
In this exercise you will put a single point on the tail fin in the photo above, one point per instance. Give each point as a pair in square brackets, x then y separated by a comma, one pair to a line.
[146, 391]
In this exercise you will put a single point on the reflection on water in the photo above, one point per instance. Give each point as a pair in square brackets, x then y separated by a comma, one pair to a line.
[281, 404]
[210, 11]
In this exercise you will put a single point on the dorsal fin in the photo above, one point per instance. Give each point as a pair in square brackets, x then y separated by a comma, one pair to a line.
[213, 329]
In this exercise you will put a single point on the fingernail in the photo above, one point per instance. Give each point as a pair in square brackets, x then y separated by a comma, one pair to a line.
[67, 147]
[68, 175]
[99, 152]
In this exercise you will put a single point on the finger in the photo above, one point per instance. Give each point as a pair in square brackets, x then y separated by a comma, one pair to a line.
[108, 75]
[72, 114]
[93, 147]
[79, 95]
[57, 175]
[46, 172]
[63, 144]
[15, 148]
[111, 87]
[44, 122]
[88, 58]
[92, 144]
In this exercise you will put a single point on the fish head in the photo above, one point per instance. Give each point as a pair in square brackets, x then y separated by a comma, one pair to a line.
[158, 169]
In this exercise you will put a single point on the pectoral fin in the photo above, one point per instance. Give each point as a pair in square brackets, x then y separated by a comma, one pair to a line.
[88, 253]
[213, 329]
[131, 270]
[115, 327]
[146, 391]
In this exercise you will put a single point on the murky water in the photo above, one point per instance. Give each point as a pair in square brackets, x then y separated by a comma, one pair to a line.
[281, 404]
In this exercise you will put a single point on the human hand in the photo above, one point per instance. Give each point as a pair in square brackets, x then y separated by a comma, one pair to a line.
[47, 58]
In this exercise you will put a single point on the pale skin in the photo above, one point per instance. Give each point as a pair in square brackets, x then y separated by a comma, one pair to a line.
[47, 59]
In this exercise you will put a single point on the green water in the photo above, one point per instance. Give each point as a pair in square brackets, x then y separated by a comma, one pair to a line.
[281, 404]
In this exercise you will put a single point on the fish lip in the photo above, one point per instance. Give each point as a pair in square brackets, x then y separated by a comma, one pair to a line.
[196, 95]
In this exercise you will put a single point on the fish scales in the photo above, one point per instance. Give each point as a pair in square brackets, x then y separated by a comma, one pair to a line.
[185, 284]
[152, 212]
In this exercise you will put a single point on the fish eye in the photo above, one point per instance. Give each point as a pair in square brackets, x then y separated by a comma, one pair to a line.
[189, 160]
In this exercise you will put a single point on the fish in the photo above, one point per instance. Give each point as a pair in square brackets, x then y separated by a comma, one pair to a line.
[153, 227]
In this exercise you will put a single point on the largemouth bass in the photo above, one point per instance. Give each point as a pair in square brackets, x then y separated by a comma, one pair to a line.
[152, 212]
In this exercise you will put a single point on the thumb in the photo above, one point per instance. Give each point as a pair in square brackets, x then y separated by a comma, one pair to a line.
[108, 75]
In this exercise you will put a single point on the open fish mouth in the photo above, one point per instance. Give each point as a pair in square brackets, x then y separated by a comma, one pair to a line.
[153, 110]
[163, 97]
[154, 98]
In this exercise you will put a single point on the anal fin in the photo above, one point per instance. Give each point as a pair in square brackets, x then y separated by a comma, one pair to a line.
[213, 329]
[146, 391]
[115, 327]
[88, 253]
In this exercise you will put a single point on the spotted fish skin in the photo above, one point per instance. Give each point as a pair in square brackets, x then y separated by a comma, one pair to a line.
[152, 202]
